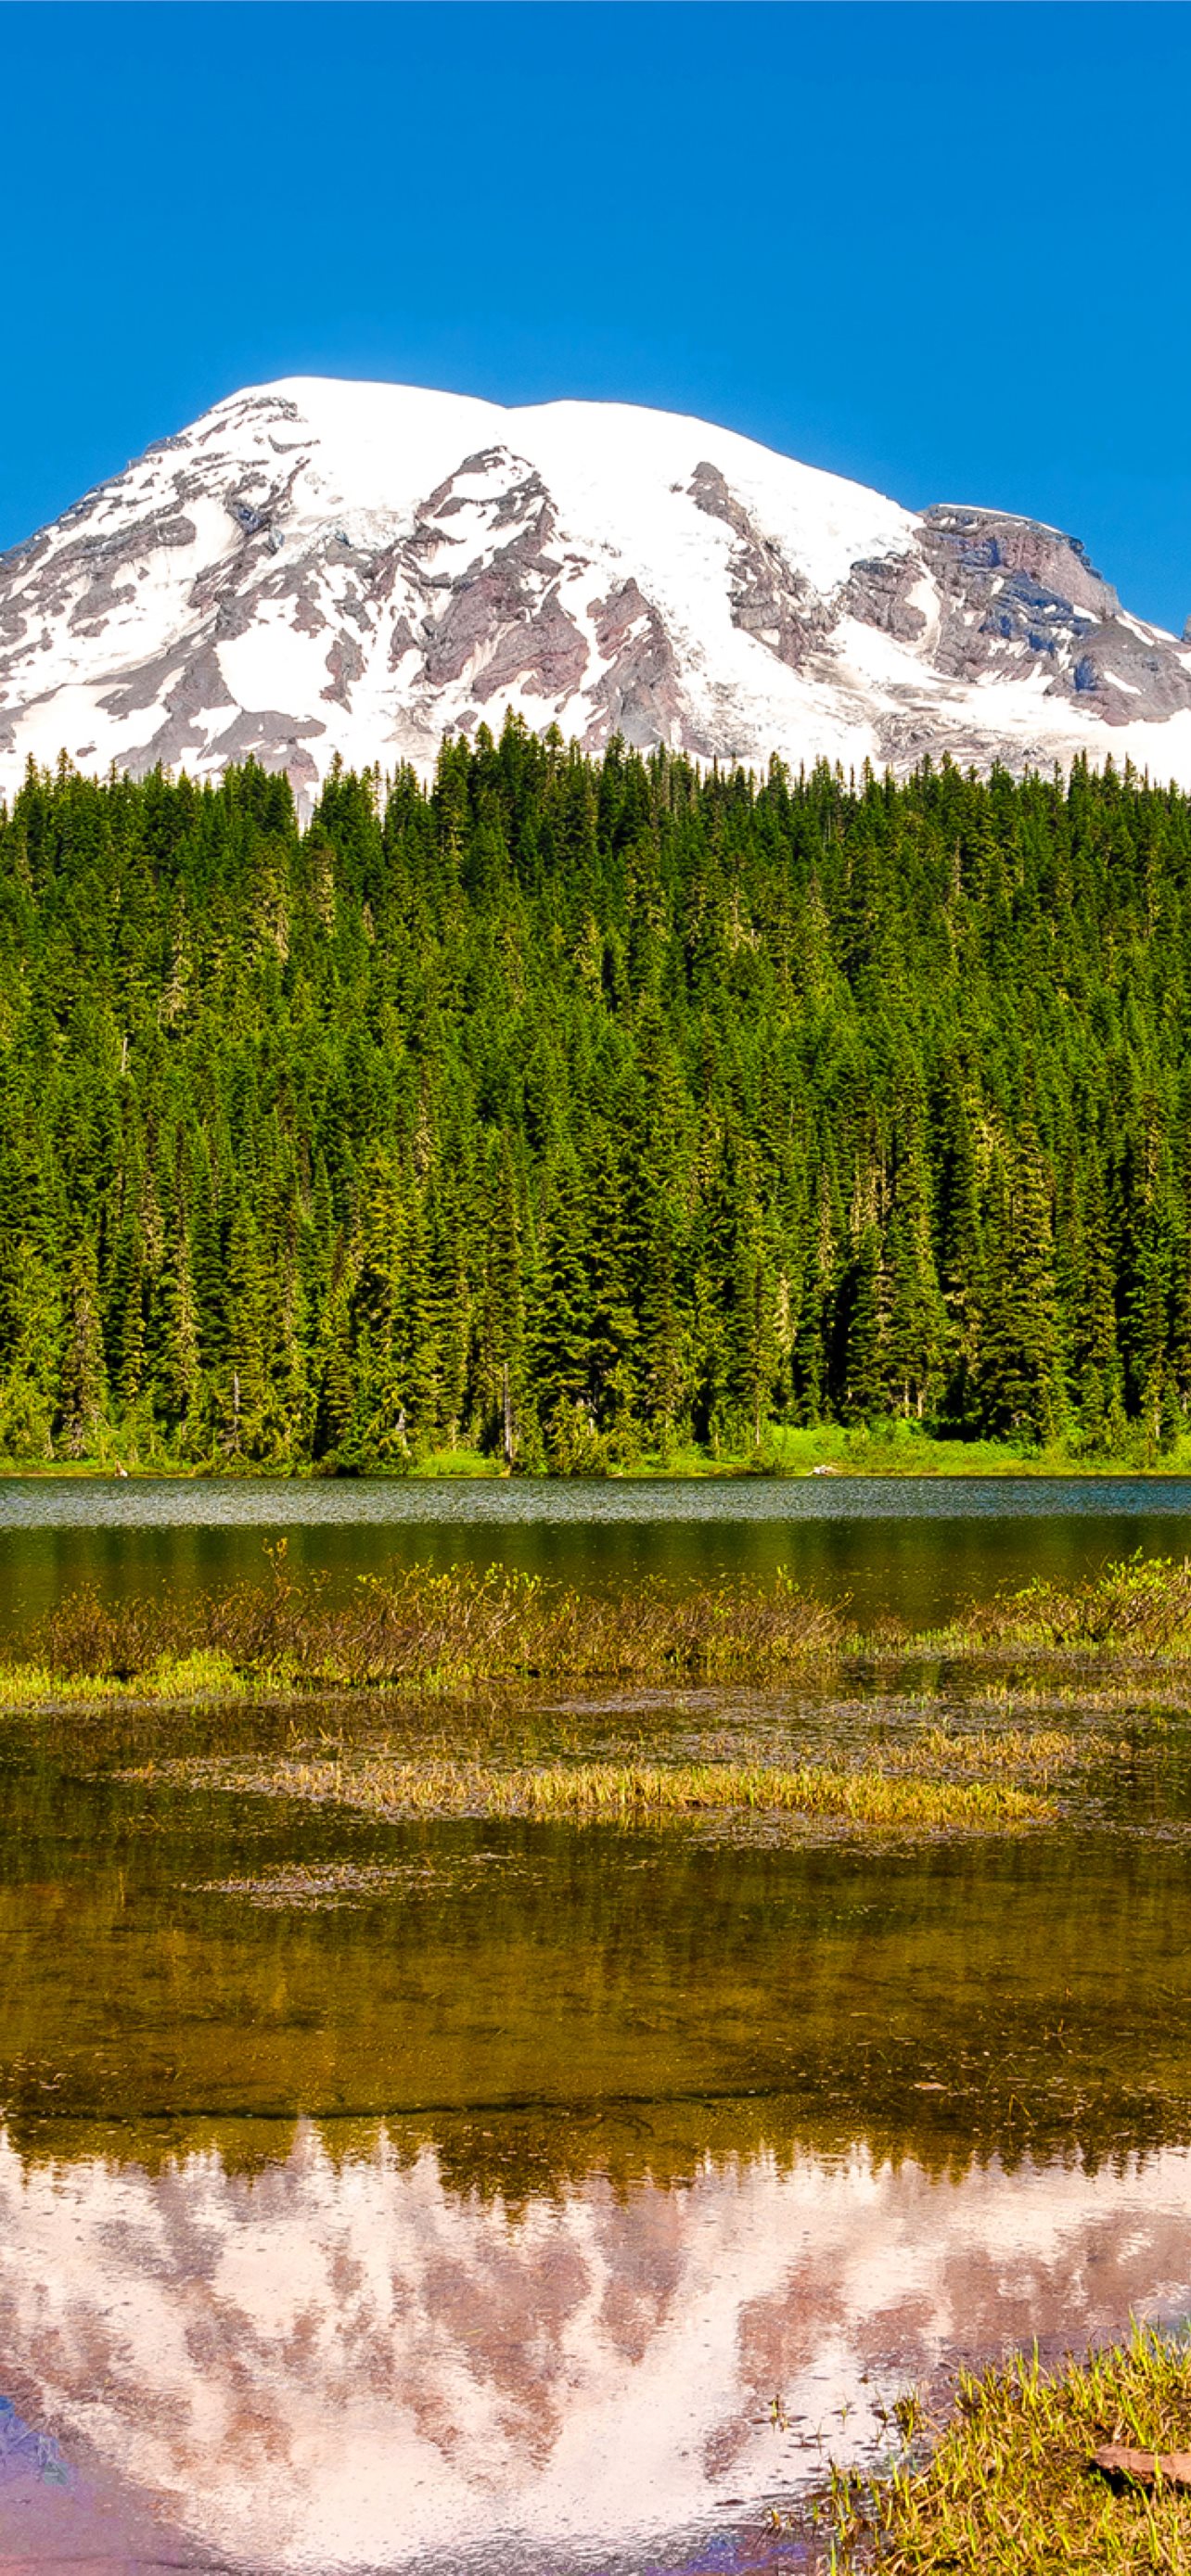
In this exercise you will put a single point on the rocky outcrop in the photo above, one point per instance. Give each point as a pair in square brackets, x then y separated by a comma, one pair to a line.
[881, 593]
[992, 596]
[639, 694]
[769, 599]
[497, 619]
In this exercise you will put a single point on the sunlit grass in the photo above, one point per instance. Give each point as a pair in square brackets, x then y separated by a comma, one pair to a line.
[203, 1673]
[1041, 1752]
[460, 1629]
[637, 1793]
[1008, 2489]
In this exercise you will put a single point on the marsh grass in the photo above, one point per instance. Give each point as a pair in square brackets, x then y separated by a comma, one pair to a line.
[1007, 2489]
[454, 1630]
[1138, 1606]
[1041, 1753]
[440, 1629]
[634, 1793]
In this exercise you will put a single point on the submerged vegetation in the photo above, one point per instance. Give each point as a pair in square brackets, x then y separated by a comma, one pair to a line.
[1011, 2489]
[415, 1652]
[910, 1798]
[592, 1114]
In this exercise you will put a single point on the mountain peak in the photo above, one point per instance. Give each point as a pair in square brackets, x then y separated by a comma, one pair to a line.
[318, 567]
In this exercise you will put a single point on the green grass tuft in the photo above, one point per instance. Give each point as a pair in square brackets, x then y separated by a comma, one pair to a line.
[1007, 2489]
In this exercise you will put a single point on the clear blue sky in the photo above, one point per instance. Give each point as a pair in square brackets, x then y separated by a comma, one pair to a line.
[943, 248]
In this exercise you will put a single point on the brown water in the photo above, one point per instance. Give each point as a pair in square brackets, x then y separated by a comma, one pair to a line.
[499, 2197]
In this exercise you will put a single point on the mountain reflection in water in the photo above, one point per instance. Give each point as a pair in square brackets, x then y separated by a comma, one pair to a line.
[339, 2361]
[462, 2196]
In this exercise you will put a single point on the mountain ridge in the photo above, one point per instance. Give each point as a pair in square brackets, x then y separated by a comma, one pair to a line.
[316, 568]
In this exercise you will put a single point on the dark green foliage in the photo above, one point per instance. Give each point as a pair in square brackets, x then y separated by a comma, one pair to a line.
[574, 1110]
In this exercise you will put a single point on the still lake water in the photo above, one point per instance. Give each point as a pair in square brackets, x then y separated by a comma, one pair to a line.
[917, 1548]
[464, 2196]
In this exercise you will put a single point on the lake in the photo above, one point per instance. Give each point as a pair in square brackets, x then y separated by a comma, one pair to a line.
[914, 1547]
[470, 2196]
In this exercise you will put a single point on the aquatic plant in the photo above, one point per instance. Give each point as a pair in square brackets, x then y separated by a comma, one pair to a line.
[1139, 1606]
[423, 1626]
[459, 1628]
[630, 1793]
[1009, 2488]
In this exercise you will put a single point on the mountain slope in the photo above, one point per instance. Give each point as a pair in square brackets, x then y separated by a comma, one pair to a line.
[317, 567]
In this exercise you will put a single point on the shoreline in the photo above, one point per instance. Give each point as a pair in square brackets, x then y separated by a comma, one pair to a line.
[944, 1462]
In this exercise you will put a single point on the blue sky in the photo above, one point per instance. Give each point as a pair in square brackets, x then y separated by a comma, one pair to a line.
[943, 248]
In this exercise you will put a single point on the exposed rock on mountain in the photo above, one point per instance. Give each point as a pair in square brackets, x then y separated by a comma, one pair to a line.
[317, 567]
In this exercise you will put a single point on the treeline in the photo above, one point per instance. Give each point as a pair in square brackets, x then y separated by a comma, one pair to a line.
[575, 1110]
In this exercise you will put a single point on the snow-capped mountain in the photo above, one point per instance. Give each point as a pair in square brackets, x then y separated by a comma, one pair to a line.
[318, 567]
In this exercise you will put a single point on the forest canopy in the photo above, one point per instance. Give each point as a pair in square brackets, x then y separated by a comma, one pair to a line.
[571, 1110]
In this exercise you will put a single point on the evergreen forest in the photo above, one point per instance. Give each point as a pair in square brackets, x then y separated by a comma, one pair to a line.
[574, 1111]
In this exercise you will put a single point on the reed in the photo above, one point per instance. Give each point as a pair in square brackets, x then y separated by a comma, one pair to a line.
[448, 1629]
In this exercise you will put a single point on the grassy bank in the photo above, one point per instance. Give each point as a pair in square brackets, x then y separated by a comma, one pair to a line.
[897, 1447]
[457, 1629]
[889, 1447]
[1009, 2488]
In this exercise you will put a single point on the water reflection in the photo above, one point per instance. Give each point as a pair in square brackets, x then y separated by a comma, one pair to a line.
[340, 2361]
[915, 1547]
[477, 2222]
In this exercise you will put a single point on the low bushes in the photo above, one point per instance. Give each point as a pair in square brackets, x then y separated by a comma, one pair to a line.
[458, 1628]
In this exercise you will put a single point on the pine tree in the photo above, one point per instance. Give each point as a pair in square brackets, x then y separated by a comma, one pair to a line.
[962, 1269]
[175, 1361]
[501, 1369]
[1020, 1352]
[83, 1386]
[240, 1383]
[125, 1334]
[916, 1322]
[1096, 1366]
[865, 1322]
[560, 1329]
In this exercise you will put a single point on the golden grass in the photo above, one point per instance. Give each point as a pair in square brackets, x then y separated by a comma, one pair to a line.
[632, 1793]
[1040, 1752]
[1007, 2491]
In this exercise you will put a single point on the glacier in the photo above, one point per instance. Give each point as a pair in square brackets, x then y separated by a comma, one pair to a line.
[317, 569]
